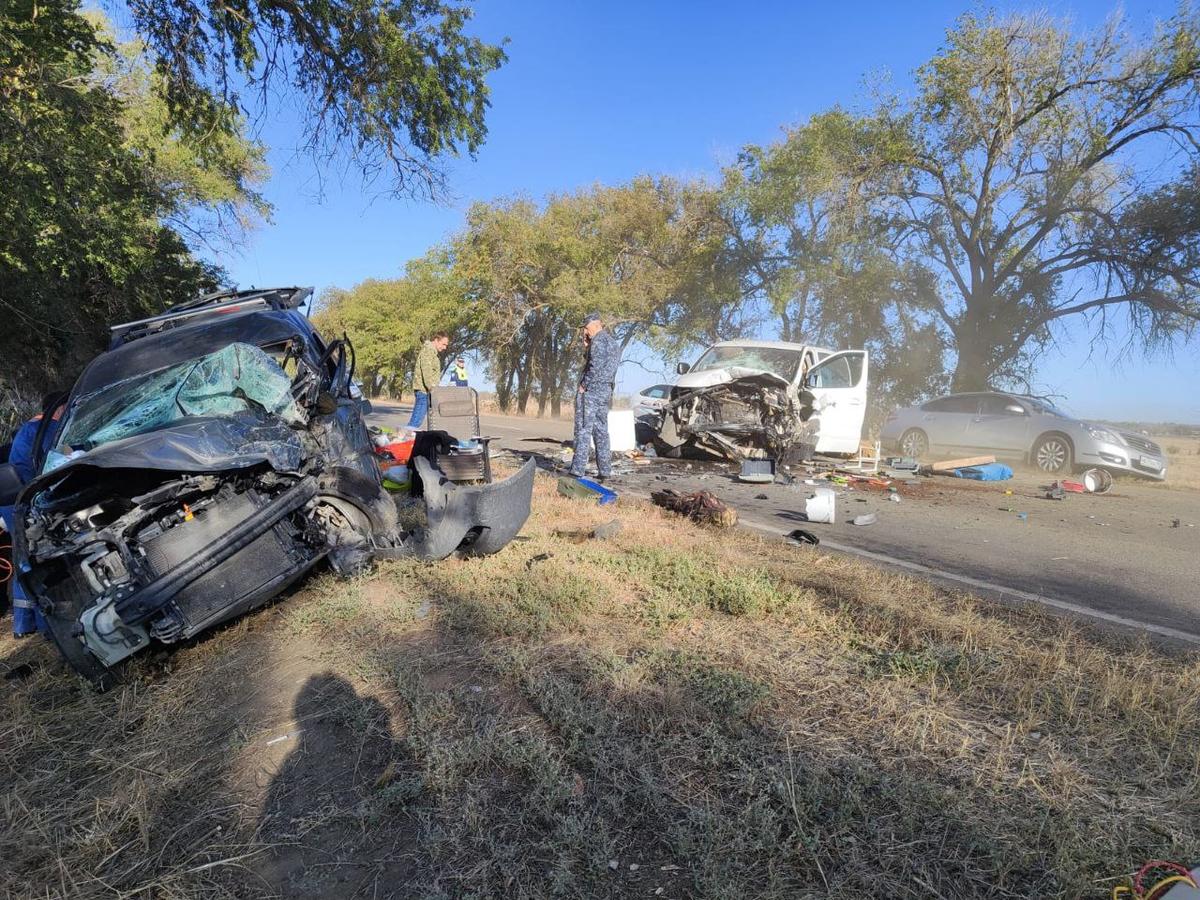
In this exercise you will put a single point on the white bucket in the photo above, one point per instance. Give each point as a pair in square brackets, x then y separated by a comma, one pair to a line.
[620, 430]
[1097, 481]
[822, 507]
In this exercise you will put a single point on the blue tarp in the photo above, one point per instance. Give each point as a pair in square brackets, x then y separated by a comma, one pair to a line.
[987, 472]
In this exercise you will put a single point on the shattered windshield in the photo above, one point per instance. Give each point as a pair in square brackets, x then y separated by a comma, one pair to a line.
[778, 360]
[238, 378]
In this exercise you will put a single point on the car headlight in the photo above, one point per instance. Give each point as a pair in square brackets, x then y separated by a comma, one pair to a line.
[1103, 434]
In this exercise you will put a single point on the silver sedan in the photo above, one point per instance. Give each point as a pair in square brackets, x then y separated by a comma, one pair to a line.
[1026, 429]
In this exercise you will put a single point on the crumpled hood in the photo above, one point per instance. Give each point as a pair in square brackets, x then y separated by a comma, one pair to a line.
[709, 377]
[195, 445]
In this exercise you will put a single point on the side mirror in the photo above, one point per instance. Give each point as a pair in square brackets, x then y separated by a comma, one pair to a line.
[682, 368]
[10, 484]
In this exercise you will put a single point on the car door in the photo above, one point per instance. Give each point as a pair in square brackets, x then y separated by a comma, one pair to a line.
[839, 387]
[1001, 426]
[945, 422]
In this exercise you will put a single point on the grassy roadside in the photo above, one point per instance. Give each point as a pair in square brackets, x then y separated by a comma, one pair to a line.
[1183, 461]
[675, 712]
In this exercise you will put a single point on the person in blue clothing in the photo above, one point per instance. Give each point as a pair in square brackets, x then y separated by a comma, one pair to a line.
[594, 397]
[24, 457]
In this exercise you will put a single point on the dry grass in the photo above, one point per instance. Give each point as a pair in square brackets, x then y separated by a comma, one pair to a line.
[1183, 460]
[699, 712]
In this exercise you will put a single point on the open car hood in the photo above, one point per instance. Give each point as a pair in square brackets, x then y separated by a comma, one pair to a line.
[197, 445]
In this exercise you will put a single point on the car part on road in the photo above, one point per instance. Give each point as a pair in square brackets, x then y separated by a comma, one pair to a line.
[1097, 481]
[757, 471]
[821, 507]
[800, 536]
[701, 507]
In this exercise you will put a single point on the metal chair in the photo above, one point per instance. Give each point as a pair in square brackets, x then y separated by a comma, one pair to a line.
[456, 410]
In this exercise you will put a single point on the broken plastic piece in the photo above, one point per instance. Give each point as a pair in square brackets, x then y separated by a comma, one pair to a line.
[800, 536]
[865, 519]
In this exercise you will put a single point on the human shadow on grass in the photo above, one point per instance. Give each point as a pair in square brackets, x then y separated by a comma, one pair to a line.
[336, 813]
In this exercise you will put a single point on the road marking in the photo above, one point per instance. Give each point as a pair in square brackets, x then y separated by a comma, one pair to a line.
[979, 583]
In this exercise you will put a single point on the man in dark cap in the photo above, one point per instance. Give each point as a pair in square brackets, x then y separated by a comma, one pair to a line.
[594, 397]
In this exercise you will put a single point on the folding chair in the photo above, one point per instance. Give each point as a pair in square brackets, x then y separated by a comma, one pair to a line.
[456, 410]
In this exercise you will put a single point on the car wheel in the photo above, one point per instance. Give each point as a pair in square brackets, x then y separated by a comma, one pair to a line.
[914, 443]
[1053, 454]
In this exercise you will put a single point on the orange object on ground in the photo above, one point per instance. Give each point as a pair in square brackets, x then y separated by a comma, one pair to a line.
[401, 451]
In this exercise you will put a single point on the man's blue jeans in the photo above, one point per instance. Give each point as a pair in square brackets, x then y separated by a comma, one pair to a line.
[420, 410]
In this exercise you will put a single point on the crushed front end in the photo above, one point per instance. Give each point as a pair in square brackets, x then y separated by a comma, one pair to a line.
[178, 499]
[749, 417]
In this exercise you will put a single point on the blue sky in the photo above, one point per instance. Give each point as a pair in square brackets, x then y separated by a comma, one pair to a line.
[601, 92]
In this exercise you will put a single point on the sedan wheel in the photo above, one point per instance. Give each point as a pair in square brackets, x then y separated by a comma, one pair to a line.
[914, 443]
[1053, 455]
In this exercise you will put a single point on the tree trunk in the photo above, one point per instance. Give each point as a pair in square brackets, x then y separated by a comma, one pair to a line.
[977, 361]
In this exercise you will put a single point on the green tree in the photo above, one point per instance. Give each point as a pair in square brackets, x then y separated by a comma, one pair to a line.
[1045, 177]
[642, 254]
[809, 249]
[86, 192]
[388, 319]
[389, 85]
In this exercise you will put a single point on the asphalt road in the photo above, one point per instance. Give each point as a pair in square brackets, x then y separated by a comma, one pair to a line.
[1116, 558]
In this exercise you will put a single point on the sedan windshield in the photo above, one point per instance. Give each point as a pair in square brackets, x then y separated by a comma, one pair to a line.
[777, 360]
[1046, 408]
[238, 378]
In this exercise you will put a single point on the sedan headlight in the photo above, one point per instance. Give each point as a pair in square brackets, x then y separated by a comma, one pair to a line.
[1103, 434]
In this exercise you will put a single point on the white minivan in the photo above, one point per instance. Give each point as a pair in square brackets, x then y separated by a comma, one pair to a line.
[754, 399]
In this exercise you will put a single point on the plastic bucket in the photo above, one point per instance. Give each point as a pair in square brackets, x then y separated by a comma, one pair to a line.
[1097, 481]
[821, 507]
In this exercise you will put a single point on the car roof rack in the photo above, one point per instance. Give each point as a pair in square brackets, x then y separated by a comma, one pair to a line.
[217, 303]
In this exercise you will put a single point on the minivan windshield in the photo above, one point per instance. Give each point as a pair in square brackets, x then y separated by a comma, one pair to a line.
[235, 379]
[778, 360]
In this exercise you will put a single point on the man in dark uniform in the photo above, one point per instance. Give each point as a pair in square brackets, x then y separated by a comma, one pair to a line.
[594, 397]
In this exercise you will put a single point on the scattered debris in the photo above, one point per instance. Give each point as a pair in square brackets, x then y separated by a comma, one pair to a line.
[821, 507]
[992, 471]
[865, 519]
[1074, 487]
[1055, 492]
[600, 532]
[902, 463]
[800, 536]
[949, 465]
[700, 506]
[585, 489]
[541, 557]
[1023, 516]
[761, 497]
[757, 471]
[20, 672]
[1098, 481]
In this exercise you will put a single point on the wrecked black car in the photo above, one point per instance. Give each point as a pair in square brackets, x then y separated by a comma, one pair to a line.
[206, 461]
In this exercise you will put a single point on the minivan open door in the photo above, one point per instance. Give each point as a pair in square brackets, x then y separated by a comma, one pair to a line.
[838, 384]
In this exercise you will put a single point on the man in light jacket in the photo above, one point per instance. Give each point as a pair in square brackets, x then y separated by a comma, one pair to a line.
[427, 375]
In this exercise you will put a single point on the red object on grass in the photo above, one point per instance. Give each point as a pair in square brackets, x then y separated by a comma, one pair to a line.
[400, 451]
